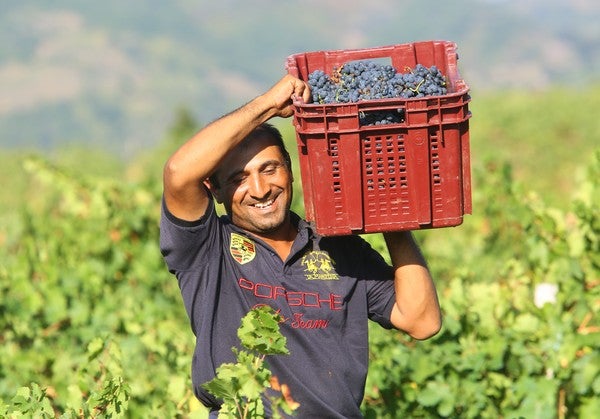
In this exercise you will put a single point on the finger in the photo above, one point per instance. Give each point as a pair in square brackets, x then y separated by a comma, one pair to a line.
[301, 91]
[298, 88]
[306, 95]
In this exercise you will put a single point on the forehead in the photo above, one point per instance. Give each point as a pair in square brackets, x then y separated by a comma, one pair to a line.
[250, 154]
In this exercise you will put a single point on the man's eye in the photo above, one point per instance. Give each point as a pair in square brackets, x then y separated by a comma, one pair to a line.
[269, 170]
[236, 180]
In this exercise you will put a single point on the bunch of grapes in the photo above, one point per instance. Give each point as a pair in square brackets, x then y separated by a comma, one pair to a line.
[368, 80]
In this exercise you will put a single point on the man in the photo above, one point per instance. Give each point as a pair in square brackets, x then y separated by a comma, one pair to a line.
[326, 288]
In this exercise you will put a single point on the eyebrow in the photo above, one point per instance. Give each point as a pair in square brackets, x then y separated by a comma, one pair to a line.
[272, 162]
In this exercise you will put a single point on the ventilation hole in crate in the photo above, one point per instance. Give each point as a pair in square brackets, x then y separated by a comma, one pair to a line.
[401, 148]
[381, 177]
[335, 168]
[368, 167]
[435, 165]
[437, 196]
[336, 181]
[390, 145]
[369, 151]
[402, 170]
[404, 206]
[385, 176]
[381, 117]
[333, 148]
[380, 166]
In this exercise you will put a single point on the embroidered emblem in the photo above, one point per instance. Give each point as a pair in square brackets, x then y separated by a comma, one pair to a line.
[242, 248]
[319, 266]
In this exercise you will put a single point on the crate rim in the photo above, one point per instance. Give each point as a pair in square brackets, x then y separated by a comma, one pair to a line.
[449, 43]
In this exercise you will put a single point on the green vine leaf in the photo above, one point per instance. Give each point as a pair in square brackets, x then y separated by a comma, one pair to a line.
[242, 385]
[259, 332]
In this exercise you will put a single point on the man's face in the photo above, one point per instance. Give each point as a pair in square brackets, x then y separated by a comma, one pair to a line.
[255, 186]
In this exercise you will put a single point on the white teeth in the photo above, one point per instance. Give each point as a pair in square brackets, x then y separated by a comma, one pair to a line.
[264, 204]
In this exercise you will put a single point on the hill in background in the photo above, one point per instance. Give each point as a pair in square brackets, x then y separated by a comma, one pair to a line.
[113, 73]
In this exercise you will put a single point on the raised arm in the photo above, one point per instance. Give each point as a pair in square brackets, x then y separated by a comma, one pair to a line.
[198, 158]
[417, 310]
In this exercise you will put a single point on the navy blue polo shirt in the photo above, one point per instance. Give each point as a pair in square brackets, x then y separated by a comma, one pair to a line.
[326, 290]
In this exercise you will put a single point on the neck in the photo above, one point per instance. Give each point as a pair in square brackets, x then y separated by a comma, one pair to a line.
[282, 240]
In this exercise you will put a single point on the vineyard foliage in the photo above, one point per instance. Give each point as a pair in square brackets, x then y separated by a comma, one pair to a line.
[92, 325]
[521, 303]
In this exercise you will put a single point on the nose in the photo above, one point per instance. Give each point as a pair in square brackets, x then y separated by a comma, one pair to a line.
[258, 187]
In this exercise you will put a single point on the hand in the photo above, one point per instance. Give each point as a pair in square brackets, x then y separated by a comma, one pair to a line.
[284, 92]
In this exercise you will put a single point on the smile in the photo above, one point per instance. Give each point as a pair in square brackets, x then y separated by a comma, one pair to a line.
[264, 204]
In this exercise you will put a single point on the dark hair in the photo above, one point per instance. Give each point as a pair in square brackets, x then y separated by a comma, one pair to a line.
[264, 129]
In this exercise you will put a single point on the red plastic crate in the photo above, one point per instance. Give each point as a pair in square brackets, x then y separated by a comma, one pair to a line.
[406, 176]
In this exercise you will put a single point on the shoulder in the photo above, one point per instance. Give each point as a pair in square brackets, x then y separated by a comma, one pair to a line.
[344, 243]
[184, 242]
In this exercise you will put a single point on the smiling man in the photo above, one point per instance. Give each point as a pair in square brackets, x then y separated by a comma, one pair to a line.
[325, 288]
[255, 184]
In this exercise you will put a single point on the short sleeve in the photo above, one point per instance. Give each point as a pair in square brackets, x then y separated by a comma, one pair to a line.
[181, 241]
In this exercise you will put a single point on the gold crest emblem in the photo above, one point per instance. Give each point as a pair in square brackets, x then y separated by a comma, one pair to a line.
[319, 266]
[242, 248]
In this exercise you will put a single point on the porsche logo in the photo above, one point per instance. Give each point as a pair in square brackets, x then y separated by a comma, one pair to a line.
[242, 248]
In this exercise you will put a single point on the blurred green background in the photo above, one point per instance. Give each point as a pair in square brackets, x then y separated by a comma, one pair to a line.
[95, 96]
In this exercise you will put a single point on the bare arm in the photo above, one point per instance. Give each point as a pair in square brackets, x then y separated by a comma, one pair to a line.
[417, 310]
[198, 158]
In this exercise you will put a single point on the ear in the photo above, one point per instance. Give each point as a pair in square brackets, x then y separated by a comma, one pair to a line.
[215, 191]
